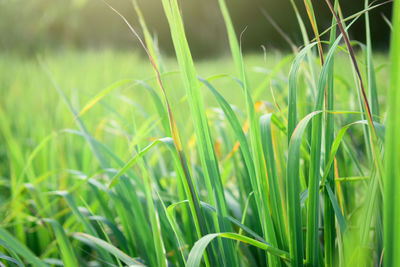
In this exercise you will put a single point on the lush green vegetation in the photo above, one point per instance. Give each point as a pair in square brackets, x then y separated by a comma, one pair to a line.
[81, 24]
[110, 159]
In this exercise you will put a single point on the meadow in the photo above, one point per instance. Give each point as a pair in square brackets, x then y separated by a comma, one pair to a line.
[126, 158]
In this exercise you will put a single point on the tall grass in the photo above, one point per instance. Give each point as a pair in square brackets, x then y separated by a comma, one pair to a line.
[391, 215]
[289, 163]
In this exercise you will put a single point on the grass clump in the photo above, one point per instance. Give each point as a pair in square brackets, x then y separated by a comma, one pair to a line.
[291, 163]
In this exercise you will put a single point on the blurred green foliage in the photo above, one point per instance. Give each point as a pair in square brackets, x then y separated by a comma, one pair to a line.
[43, 24]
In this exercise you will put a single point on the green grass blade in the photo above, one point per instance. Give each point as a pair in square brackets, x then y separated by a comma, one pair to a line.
[238, 132]
[107, 247]
[329, 219]
[392, 183]
[203, 135]
[312, 241]
[274, 190]
[102, 94]
[9, 259]
[311, 16]
[339, 216]
[230, 218]
[306, 42]
[336, 142]
[15, 154]
[148, 38]
[20, 249]
[197, 250]
[260, 188]
[132, 162]
[89, 228]
[177, 234]
[292, 96]
[67, 252]
[372, 87]
[293, 191]
[114, 229]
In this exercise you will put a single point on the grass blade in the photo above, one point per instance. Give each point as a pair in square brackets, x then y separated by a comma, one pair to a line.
[329, 219]
[20, 249]
[197, 250]
[107, 247]
[67, 252]
[207, 153]
[392, 183]
[372, 87]
[292, 96]
[259, 186]
[293, 192]
[272, 176]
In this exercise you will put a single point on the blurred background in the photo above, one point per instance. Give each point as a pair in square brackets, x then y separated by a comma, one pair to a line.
[31, 26]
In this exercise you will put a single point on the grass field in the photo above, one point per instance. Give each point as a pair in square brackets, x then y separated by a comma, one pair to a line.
[264, 159]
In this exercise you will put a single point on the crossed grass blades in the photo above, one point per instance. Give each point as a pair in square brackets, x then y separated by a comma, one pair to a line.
[309, 178]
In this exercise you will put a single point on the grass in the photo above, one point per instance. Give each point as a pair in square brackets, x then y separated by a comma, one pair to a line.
[391, 215]
[112, 159]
